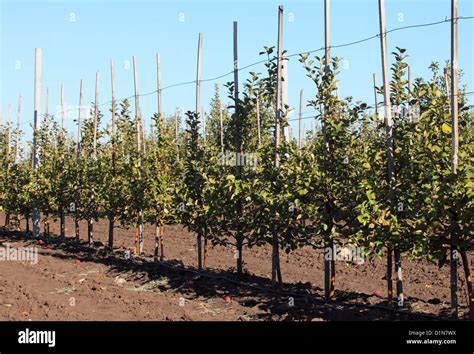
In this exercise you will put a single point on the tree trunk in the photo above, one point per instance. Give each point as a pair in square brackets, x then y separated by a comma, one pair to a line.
[470, 293]
[27, 219]
[398, 271]
[454, 276]
[389, 275]
[62, 226]
[204, 261]
[7, 219]
[199, 250]
[328, 257]
[239, 245]
[135, 242]
[140, 233]
[333, 271]
[276, 271]
[156, 243]
[111, 233]
[162, 246]
[90, 232]
[76, 228]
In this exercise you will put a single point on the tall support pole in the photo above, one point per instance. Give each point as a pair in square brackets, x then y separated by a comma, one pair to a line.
[62, 107]
[300, 121]
[409, 79]
[221, 129]
[47, 107]
[112, 216]
[198, 75]
[79, 120]
[376, 97]
[112, 83]
[137, 103]
[238, 144]
[158, 79]
[388, 133]
[17, 152]
[259, 138]
[454, 150]
[139, 238]
[96, 114]
[9, 134]
[276, 272]
[329, 264]
[62, 216]
[78, 156]
[36, 125]
[198, 94]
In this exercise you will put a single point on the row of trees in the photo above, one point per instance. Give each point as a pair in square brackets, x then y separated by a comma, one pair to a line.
[333, 190]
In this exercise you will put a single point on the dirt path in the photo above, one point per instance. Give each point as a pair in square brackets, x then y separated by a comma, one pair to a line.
[73, 282]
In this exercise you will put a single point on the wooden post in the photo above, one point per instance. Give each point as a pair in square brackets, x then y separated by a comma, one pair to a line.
[239, 237]
[79, 120]
[36, 124]
[178, 114]
[454, 148]
[78, 156]
[160, 107]
[376, 98]
[96, 114]
[47, 107]
[112, 217]
[137, 107]
[258, 120]
[17, 153]
[198, 93]
[409, 78]
[204, 117]
[198, 75]
[329, 264]
[138, 125]
[300, 121]
[62, 222]
[9, 134]
[112, 82]
[276, 272]
[388, 132]
[62, 108]
[221, 129]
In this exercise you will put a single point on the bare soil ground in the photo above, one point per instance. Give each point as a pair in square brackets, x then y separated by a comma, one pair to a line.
[72, 281]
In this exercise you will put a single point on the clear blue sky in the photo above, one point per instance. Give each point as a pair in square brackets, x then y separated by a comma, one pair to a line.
[79, 37]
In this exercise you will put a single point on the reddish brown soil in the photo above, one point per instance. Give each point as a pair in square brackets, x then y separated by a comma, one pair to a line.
[75, 282]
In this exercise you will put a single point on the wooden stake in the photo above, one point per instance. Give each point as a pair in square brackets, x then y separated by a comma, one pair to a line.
[409, 79]
[78, 157]
[112, 217]
[376, 98]
[160, 107]
[9, 136]
[62, 107]
[388, 128]
[258, 120]
[300, 121]
[47, 107]
[96, 115]
[198, 76]
[276, 272]
[454, 148]
[36, 124]
[79, 120]
[138, 125]
[221, 129]
[17, 154]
